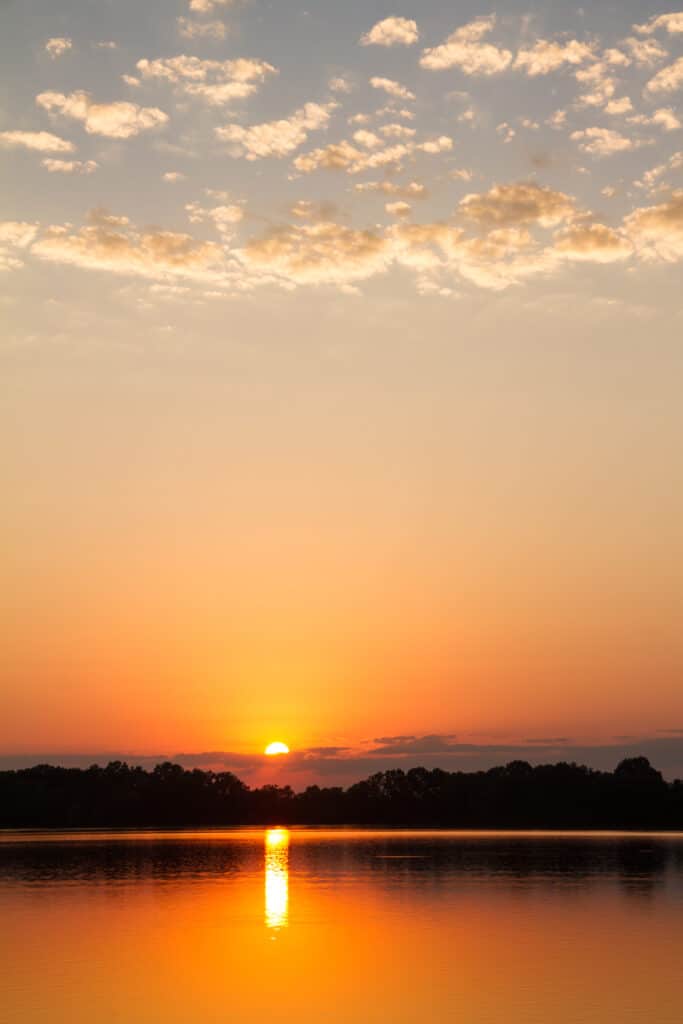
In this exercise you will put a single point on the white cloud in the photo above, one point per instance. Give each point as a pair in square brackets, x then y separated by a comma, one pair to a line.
[43, 142]
[340, 85]
[464, 49]
[413, 190]
[113, 244]
[323, 253]
[621, 106]
[665, 118]
[547, 55]
[190, 29]
[592, 242]
[367, 139]
[208, 6]
[601, 83]
[224, 218]
[17, 233]
[398, 209]
[391, 32]
[277, 138]
[604, 141]
[672, 23]
[518, 204]
[117, 120]
[14, 235]
[397, 131]
[645, 52]
[392, 88]
[668, 79]
[658, 230]
[58, 46]
[69, 166]
[215, 82]
[171, 177]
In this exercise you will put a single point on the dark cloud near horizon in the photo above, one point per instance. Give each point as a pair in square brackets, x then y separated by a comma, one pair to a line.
[343, 766]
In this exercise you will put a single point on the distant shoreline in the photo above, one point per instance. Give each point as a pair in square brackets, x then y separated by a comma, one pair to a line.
[515, 797]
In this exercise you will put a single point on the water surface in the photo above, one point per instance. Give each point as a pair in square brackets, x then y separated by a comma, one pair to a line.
[335, 927]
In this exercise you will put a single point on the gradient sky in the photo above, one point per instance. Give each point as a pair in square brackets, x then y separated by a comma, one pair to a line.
[341, 375]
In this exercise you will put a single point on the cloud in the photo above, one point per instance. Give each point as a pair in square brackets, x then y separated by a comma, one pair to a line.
[277, 138]
[595, 243]
[413, 190]
[464, 49]
[668, 79]
[224, 218]
[190, 29]
[672, 23]
[58, 46]
[397, 131]
[398, 209]
[343, 156]
[319, 253]
[645, 52]
[658, 230]
[392, 88]
[391, 32]
[344, 766]
[649, 178]
[208, 6]
[172, 177]
[113, 244]
[117, 120]
[524, 203]
[340, 85]
[69, 166]
[604, 141]
[43, 142]
[665, 118]
[600, 82]
[14, 235]
[546, 56]
[215, 82]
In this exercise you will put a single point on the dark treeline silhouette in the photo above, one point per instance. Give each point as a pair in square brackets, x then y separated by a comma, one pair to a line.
[516, 795]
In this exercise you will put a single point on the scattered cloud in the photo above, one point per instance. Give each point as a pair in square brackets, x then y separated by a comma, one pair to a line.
[392, 88]
[604, 141]
[524, 203]
[276, 138]
[188, 28]
[43, 142]
[671, 23]
[58, 46]
[340, 84]
[665, 118]
[658, 230]
[596, 243]
[412, 190]
[117, 120]
[320, 253]
[69, 166]
[172, 177]
[398, 209]
[111, 243]
[547, 55]
[669, 79]
[14, 235]
[391, 32]
[208, 6]
[464, 49]
[215, 82]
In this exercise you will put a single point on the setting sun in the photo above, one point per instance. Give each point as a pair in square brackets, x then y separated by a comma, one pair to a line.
[276, 748]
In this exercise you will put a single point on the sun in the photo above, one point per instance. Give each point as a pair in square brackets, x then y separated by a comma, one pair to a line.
[276, 748]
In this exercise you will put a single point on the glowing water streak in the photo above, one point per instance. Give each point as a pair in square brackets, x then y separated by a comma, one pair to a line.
[277, 877]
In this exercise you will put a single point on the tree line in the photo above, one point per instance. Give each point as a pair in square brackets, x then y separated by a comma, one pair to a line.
[515, 795]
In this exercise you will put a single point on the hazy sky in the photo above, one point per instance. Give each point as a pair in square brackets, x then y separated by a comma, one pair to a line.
[341, 376]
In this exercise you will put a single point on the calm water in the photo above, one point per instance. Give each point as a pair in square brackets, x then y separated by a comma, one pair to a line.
[310, 926]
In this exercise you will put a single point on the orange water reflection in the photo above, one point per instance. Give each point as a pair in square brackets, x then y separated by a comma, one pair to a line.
[277, 877]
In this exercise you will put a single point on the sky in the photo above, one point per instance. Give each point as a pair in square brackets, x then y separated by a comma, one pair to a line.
[341, 373]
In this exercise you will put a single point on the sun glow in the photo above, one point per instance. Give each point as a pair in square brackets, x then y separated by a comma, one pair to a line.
[276, 748]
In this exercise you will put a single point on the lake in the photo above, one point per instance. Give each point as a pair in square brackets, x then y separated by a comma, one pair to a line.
[336, 927]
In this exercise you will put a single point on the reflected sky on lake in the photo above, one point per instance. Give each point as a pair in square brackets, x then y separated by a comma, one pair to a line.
[314, 926]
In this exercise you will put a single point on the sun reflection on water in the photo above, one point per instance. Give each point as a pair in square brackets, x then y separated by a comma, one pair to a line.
[277, 877]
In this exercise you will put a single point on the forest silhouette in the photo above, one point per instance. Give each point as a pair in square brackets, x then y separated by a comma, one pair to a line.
[516, 795]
